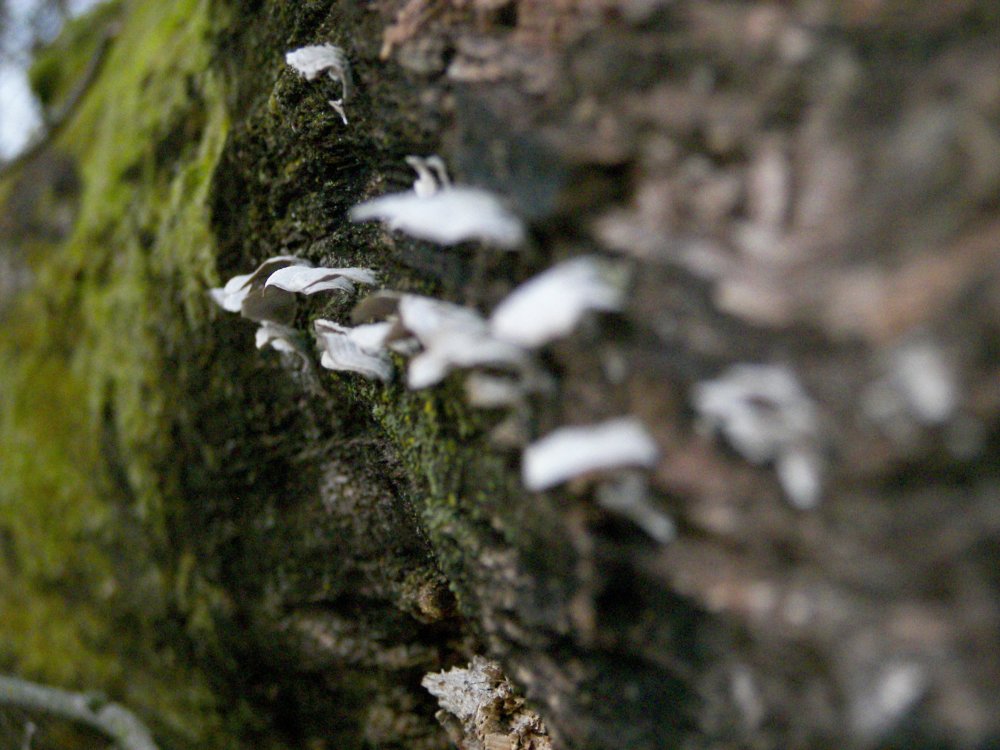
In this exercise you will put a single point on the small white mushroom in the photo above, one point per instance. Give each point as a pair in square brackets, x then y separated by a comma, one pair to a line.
[314, 60]
[759, 408]
[452, 337]
[441, 337]
[246, 293]
[428, 318]
[371, 337]
[359, 349]
[766, 416]
[436, 211]
[917, 388]
[457, 349]
[230, 297]
[571, 451]
[307, 280]
[551, 305]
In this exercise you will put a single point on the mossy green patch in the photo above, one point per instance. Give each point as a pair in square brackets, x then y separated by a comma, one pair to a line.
[88, 361]
[444, 447]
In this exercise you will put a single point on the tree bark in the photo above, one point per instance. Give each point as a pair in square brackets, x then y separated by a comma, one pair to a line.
[808, 189]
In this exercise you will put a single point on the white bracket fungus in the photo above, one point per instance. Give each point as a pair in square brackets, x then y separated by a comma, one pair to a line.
[461, 350]
[359, 349]
[571, 451]
[430, 319]
[450, 337]
[766, 416]
[247, 295]
[552, 304]
[314, 60]
[308, 280]
[435, 210]
[266, 294]
[230, 297]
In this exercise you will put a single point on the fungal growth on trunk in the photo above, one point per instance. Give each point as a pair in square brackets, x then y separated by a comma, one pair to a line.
[437, 211]
[312, 61]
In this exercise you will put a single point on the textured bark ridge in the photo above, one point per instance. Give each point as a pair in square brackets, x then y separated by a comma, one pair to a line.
[805, 197]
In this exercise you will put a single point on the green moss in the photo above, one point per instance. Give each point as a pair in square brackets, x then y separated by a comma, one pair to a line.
[443, 446]
[88, 362]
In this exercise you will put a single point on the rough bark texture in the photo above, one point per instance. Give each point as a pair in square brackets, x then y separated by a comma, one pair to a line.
[813, 185]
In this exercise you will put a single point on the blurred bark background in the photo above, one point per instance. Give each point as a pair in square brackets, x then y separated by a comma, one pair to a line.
[279, 559]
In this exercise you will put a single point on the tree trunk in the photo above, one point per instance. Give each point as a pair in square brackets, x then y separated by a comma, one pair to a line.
[805, 201]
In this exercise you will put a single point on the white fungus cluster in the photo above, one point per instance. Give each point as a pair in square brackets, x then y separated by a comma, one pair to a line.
[267, 296]
[357, 349]
[551, 305]
[761, 410]
[439, 337]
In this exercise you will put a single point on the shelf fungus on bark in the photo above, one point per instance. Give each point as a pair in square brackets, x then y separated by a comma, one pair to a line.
[765, 415]
[452, 337]
[360, 349]
[314, 60]
[552, 304]
[437, 211]
[309, 280]
[268, 294]
[569, 452]
[248, 295]
[441, 337]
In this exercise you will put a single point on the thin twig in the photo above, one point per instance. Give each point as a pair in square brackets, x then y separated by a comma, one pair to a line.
[62, 115]
[113, 721]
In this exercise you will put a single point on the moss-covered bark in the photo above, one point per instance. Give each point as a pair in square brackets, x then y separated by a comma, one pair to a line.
[260, 553]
